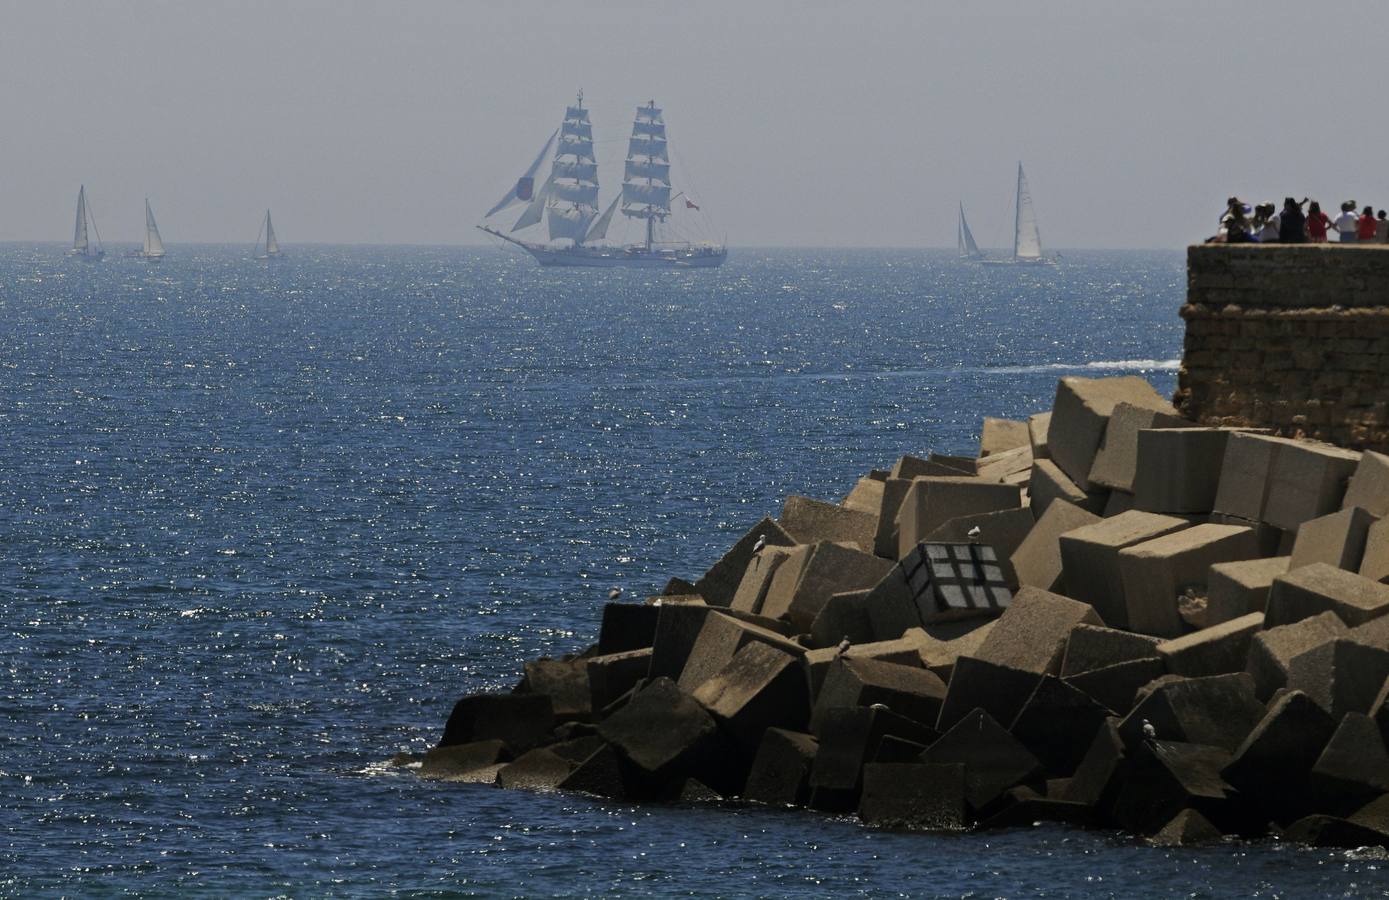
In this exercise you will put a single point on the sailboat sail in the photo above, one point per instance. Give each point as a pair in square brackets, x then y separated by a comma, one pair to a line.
[154, 245]
[1027, 240]
[600, 227]
[79, 235]
[272, 246]
[646, 181]
[523, 191]
[572, 201]
[965, 239]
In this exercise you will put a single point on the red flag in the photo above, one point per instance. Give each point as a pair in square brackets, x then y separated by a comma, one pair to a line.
[690, 204]
[525, 188]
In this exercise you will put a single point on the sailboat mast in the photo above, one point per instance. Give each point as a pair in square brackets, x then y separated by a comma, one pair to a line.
[1017, 214]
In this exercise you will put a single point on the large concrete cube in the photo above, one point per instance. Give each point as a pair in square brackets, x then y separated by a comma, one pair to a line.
[909, 691]
[1037, 561]
[1212, 651]
[1236, 589]
[1320, 588]
[1178, 469]
[1004, 531]
[1047, 483]
[1271, 651]
[1081, 413]
[762, 686]
[933, 500]
[662, 731]
[1374, 564]
[757, 578]
[1117, 459]
[885, 535]
[781, 584]
[913, 796]
[810, 521]
[1031, 634]
[999, 435]
[1037, 427]
[720, 583]
[720, 638]
[1337, 539]
[994, 760]
[1090, 647]
[866, 496]
[1369, 485]
[780, 773]
[1155, 572]
[1090, 558]
[831, 569]
[1341, 675]
[1308, 480]
[1010, 466]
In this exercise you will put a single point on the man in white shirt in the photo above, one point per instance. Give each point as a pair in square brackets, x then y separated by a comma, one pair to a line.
[1347, 222]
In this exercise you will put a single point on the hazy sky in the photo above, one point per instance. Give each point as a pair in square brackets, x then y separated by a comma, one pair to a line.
[801, 123]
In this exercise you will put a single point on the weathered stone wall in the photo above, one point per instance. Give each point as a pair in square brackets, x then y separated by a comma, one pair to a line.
[1291, 337]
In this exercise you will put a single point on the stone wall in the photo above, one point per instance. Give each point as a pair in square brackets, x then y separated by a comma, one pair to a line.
[1291, 337]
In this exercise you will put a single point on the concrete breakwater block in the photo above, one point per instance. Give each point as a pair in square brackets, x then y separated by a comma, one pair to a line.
[914, 796]
[999, 690]
[1178, 469]
[1353, 769]
[1157, 571]
[663, 732]
[1282, 481]
[1374, 564]
[993, 759]
[761, 686]
[814, 521]
[1117, 686]
[536, 770]
[1090, 647]
[1037, 560]
[909, 691]
[565, 682]
[614, 674]
[1341, 675]
[1271, 651]
[1081, 413]
[780, 773]
[1216, 711]
[718, 585]
[1369, 485]
[1272, 765]
[1116, 461]
[1212, 651]
[1037, 428]
[1004, 531]
[474, 762]
[849, 739]
[521, 721]
[1057, 724]
[1337, 539]
[1047, 483]
[998, 435]
[830, 569]
[757, 578]
[1090, 559]
[627, 626]
[865, 497]
[932, 501]
[1031, 634]
[1320, 588]
[1235, 589]
[720, 638]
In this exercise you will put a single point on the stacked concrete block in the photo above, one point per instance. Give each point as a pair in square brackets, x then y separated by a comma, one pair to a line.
[1281, 481]
[1337, 539]
[1320, 588]
[1271, 651]
[1031, 634]
[1081, 414]
[1037, 561]
[844, 617]
[831, 569]
[719, 639]
[1156, 572]
[1047, 483]
[933, 501]
[1004, 531]
[1235, 589]
[866, 496]
[1090, 559]
[1369, 485]
[1341, 675]
[1178, 469]
[1212, 651]
[810, 521]
[1010, 466]
[1037, 429]
[780, 773]
[993, 759]
[1117, 459]
[1374, 563]
[909, 691]
[781, 584]
[885, 535]
[1091, 647]
[762, 686]
[998, 435]
[720, 583]
[914, 796]
[757, 578]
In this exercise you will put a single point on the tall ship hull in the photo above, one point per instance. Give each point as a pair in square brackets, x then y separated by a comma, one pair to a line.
[566, 204]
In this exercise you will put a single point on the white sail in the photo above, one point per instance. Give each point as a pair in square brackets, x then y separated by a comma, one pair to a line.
[524, 188]
[154, 245]
[577, 148]
[650, 112]
[569, 223]
[272, 246]
[649, 129]
[655, 195]
[965, 239]
[1027, 240]
[580, 130]
[584, 171]
[536, 209]
[585, 192]
[577, 113]
[600, 227]
[648, 147]
[79, 234]
[639, 168]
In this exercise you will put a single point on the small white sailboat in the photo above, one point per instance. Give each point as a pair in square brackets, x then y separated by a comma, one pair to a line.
[964, 240]
[153, 248]
[1027, 239]
[269, 247]
[81, 245]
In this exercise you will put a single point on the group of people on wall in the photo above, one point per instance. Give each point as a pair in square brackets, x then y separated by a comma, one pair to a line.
[1300, 222]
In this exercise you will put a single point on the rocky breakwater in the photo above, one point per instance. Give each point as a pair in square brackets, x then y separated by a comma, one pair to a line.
[1108, 616]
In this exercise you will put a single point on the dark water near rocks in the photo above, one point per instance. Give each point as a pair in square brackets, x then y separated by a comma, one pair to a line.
[260, 526]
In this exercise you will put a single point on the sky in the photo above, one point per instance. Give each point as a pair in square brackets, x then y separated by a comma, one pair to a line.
[792, 123]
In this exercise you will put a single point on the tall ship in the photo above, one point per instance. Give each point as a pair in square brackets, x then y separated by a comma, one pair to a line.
[81, 244]
[152, 250]
[567, 201]
[964, 240]
[1027, 239]
[267, 247]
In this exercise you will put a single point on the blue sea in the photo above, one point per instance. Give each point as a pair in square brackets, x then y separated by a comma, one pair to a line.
[261, 525]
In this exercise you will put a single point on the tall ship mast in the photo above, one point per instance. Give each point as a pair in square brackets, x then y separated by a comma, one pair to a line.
[81, 245]
[1027, 238]
[568, 200]
[152, 250]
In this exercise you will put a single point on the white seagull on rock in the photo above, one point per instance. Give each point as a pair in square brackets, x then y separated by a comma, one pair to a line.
[761, 544]
[615, 593]
[974, 532]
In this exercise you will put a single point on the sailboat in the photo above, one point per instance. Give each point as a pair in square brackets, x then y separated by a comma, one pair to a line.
[568, 200]
[1027, 240]
[81, 246]
[964, 240]
[153, 248]
[270, 249]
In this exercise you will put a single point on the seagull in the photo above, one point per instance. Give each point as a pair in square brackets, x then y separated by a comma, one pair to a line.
[615, 593]
[973, 532]
[761, 544]
[1149, 732]
[842, 648]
